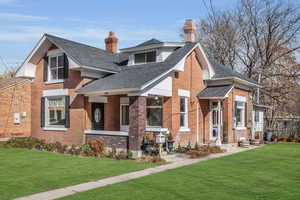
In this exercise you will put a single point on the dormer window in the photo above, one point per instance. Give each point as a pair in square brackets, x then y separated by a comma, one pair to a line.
[56, 67]
[146, 57]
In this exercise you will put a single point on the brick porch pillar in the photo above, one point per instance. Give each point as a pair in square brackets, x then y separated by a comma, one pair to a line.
[137, 123]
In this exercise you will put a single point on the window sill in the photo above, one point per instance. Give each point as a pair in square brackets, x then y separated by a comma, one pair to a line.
[240, 128]
[54, 129]
[54, 81]
[157, 129]
[184, 129]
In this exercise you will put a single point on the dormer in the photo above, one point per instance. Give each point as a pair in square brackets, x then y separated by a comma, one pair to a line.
[150, 51]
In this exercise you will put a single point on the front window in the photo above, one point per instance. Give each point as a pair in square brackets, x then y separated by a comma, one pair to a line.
[124, 115]
[56, 67]
[183, 112]
[147, 57]
[55, 112]
[154, 111]
[240, 113]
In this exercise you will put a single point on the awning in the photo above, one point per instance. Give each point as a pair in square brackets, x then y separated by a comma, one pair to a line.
[215, 92]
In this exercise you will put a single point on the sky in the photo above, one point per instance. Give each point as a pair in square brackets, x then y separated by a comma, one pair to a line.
[23, 22]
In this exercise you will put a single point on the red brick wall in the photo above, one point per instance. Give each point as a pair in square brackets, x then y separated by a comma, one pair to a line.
[16, 99]
[190, 79]
[74, 135]
[234, 135]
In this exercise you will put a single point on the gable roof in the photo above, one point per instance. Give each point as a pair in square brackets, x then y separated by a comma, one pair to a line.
[135, 77]
[86, 55]
[215, 92]
[149, 42]
[222, 71]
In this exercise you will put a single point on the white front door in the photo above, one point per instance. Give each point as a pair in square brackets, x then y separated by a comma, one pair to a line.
[216, 121]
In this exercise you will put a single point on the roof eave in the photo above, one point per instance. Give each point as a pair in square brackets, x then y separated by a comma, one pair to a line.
[238, 80]
[107, 92]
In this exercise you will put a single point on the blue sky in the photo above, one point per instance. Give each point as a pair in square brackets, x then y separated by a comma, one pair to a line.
[22, 23]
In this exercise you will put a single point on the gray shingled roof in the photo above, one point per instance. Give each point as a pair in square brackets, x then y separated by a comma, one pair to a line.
[138, 75]
[222, 71]
[87, 55]
[149, 42]
[214, 91]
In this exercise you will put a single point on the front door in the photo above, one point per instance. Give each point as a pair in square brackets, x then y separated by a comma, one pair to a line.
[215, 120]
[98, 116]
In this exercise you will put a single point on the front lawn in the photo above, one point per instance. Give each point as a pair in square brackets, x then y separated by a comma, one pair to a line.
[24, 172]
[270, 172]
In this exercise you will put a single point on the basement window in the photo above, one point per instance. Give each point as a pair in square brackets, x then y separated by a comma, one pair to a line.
[147, 57]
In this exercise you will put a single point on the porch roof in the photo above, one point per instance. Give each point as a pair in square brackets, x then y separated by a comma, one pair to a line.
[215, 92]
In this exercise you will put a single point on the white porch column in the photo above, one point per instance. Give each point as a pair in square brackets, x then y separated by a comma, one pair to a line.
[219, 143]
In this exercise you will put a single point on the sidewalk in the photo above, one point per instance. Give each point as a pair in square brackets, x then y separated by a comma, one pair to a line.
[66, 191]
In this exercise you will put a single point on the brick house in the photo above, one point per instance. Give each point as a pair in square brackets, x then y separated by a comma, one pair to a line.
[15, 107]
[80, 93]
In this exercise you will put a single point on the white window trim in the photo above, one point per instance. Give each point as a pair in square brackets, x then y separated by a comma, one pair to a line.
[145, 52]
[51, 55]
[242, 126]
[55, 92]
[186, 113]
[52, 127]
[183, 93]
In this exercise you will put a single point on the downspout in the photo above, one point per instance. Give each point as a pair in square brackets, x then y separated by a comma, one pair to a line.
[197, 121]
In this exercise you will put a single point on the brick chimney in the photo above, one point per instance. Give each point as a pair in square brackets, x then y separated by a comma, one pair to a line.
[189, 29]
[111, 42]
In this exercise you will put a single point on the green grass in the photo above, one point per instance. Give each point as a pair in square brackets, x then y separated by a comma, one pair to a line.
[270, 172]
[24, 172]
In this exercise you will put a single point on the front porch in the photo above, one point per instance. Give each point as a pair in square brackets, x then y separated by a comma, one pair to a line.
[122, 121]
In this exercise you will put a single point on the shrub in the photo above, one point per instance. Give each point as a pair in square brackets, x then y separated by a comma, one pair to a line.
[197, 154]
[189, 146]
[151, 159]
[215, 149]
[28, 143]
[97, 146]
[196, 146]
[121, 156]
[179, 149]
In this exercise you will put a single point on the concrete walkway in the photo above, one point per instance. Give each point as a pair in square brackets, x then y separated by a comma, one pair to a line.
[66, 191]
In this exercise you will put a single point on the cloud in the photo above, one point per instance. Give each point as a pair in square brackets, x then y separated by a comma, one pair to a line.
[21, 17]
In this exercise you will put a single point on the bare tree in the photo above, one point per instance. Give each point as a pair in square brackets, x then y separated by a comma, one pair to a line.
[260, 38]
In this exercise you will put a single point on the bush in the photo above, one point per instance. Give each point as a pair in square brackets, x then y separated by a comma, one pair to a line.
[197, 154]
[151, 159]
[28, 143]
[97, 146]
[215, 149]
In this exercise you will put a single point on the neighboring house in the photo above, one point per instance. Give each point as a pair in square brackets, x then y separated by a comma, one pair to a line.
[15, 107]
[80, 93]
